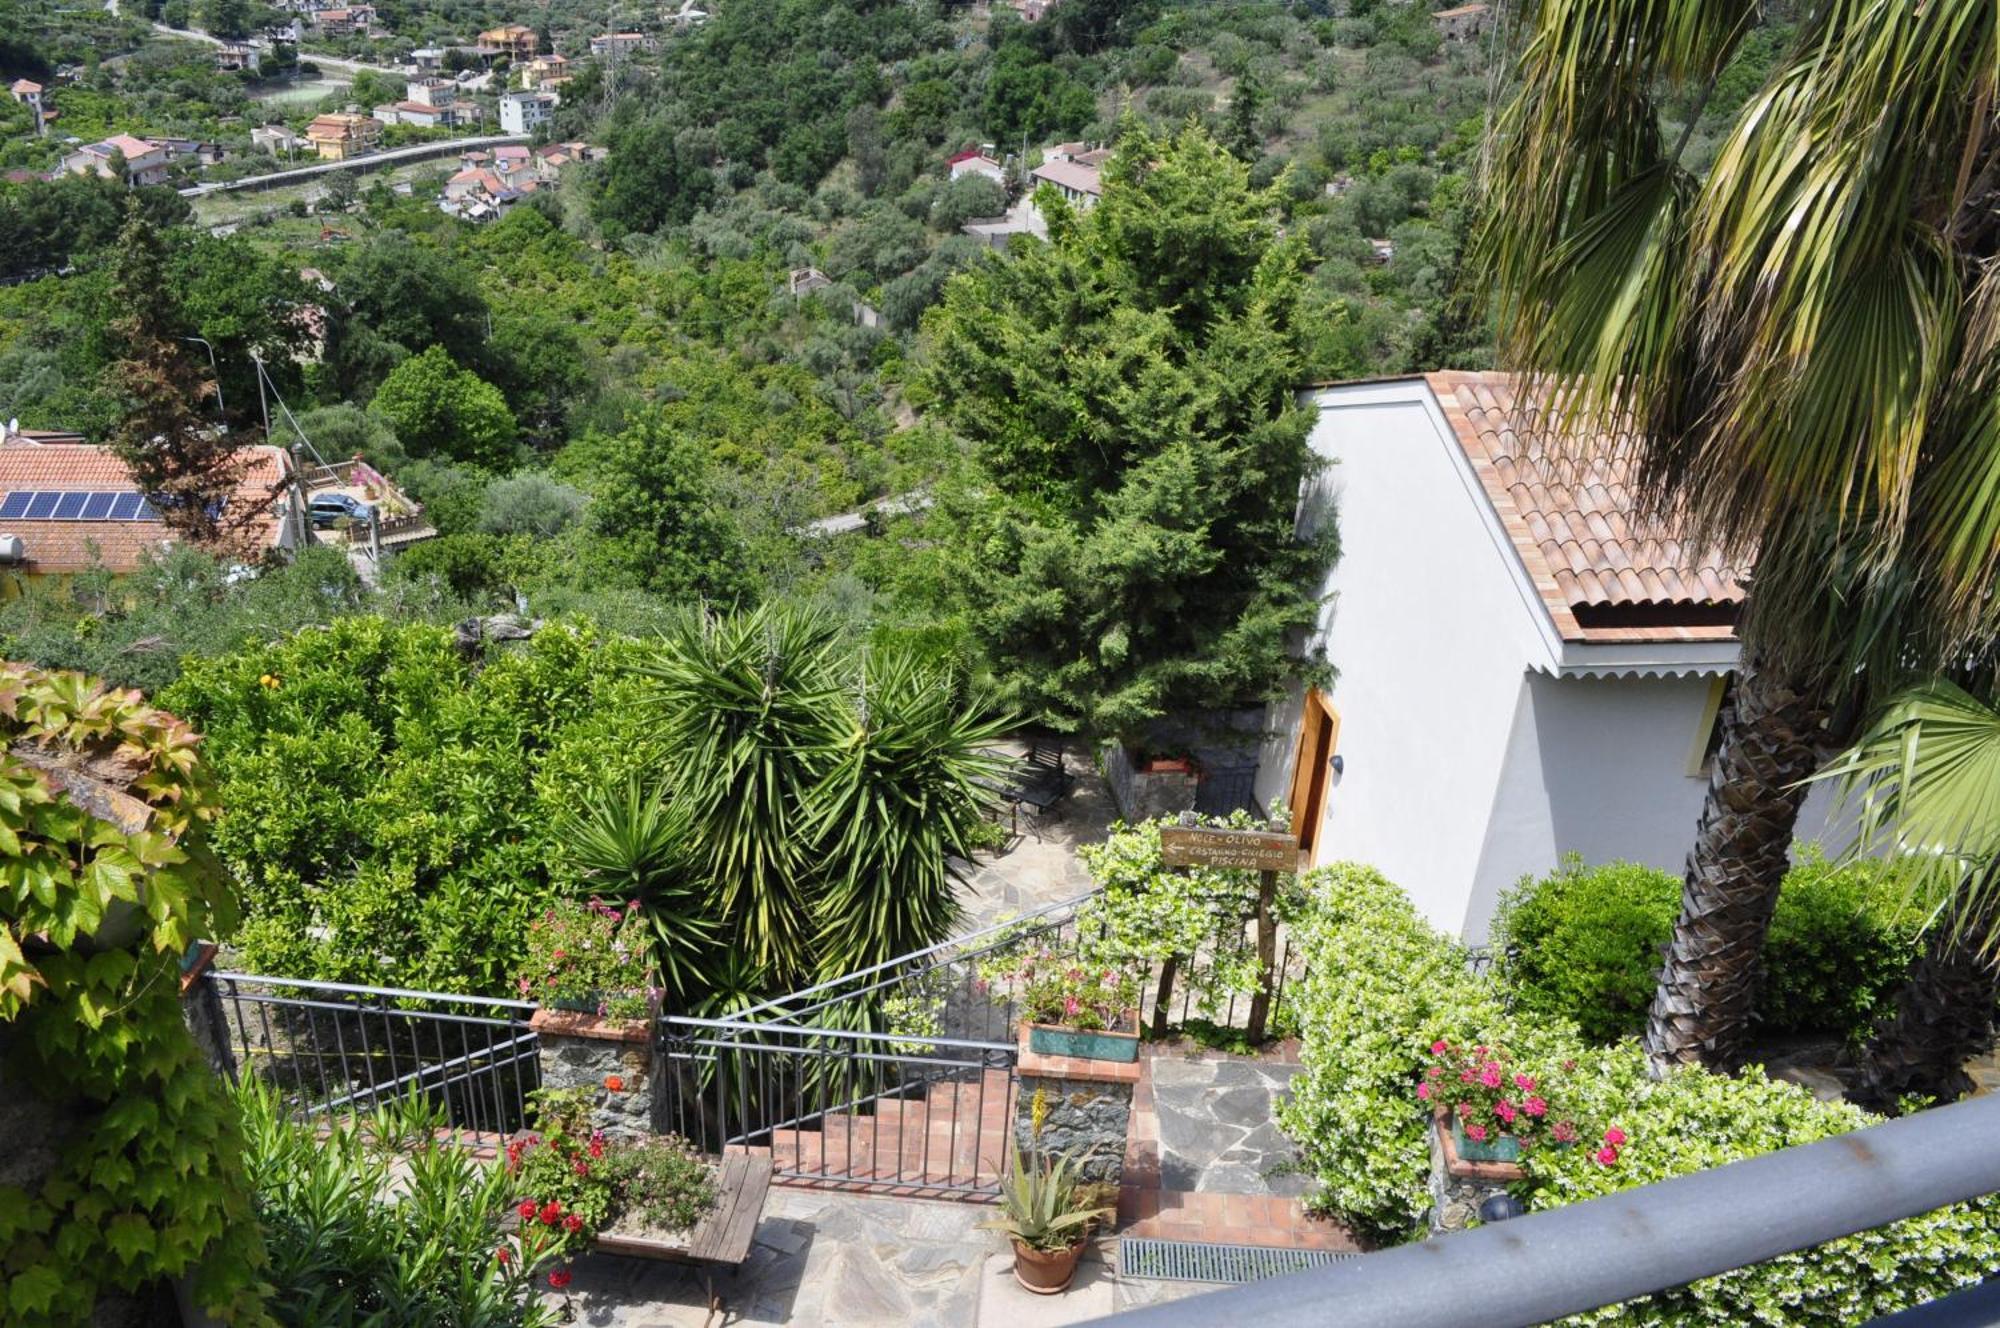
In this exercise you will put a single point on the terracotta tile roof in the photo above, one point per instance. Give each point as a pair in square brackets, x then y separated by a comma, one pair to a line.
[55, 547]
[1606, 573]
[1071, 175]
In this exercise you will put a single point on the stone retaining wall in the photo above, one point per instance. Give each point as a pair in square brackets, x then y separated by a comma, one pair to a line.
[586, 1051]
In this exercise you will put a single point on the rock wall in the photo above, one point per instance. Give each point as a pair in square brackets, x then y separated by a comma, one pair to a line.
[1084, 1118]
[581, 1050]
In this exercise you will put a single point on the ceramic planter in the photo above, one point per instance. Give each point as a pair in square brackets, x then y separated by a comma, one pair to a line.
[1494, 1148]
[1045, 1272]
[1096, 1044]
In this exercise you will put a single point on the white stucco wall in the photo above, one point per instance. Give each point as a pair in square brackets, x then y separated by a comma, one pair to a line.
[1469, 762]
[1598, 767]
[1430, 636]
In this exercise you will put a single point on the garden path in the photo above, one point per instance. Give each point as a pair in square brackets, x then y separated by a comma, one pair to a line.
[1041, 866]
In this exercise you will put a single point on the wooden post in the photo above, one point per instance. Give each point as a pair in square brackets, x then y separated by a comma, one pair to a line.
[1164, 995]
[1267, 956]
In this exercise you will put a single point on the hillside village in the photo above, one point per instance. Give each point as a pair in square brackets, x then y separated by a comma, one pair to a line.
[998, 662]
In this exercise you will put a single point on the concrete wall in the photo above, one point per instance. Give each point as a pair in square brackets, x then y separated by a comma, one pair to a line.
[1430, 637]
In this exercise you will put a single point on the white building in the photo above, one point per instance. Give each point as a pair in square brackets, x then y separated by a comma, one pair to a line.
[1525, 667]
[525, 112]
[145, 162]
[977, 163]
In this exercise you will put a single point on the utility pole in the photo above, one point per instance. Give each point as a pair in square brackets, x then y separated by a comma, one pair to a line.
[263, 405]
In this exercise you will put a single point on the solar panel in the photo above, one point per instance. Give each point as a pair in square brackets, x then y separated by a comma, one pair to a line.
[15, 505]
[41, 504]
[125, 506]
[147, 512]
[69, 506]
[97, 506]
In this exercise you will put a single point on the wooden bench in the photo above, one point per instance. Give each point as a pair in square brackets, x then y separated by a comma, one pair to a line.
[720, 1240]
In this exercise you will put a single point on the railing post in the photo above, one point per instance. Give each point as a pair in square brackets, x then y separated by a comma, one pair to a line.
[201, 1008]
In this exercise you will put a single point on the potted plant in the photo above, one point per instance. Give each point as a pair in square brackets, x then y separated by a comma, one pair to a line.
[588, 956]
[1047, 1212]
[576, 1185]
[1073, 1010]
[1494, 1111]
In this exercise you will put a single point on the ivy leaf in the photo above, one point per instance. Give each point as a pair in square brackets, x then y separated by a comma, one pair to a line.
[33, 1291]
[129, 1237]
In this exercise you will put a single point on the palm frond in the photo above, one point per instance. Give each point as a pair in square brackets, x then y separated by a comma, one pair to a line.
[1923, 785]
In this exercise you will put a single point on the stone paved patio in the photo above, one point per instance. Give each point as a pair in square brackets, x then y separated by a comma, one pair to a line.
[840, 1261]
[1217, 1127]
[1041, 867]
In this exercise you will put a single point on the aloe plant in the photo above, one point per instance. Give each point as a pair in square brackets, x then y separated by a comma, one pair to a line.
[1042, 1203]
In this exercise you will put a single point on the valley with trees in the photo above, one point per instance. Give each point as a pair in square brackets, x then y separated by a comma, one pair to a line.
[709, 563]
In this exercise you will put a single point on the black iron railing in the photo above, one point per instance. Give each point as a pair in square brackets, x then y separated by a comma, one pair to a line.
[330, 1047]
[842, 1108]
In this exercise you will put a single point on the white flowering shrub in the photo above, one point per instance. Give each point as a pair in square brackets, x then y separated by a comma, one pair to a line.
[1382, 986]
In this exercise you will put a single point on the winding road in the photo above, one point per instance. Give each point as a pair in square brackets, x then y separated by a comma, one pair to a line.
[322, 60]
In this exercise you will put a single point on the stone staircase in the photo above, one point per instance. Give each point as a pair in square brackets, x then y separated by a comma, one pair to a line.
[950, 1140]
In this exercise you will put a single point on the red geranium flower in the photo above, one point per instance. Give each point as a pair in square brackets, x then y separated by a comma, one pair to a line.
[503, 1254]
[550, 1212]
[527, 1208]
[559, 1278]
[572, 1224]
[613, 1083]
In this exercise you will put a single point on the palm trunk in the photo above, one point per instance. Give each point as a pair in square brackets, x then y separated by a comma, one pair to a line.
[1943, 1017]
[1708, 984]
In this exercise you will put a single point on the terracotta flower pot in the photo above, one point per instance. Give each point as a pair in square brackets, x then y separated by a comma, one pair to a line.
[1046, 1272]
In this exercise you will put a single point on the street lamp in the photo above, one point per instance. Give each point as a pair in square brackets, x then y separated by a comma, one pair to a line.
[220, 407]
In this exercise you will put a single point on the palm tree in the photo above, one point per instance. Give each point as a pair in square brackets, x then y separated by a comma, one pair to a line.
[1802, 344]
[1924, 783]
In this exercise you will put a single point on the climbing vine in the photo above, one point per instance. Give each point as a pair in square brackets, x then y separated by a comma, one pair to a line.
[105, 879]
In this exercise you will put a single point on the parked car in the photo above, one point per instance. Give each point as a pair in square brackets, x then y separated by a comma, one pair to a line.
[329, 508]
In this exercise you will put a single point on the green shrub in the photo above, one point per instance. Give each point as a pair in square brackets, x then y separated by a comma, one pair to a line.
[1383, 985]
[1584, 943]
[1691, 1121]
[374, 1221]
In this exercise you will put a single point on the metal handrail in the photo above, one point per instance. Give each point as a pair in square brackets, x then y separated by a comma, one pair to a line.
[1584, 1256]
[268, 981]
[853, 1035]
[1065, 906]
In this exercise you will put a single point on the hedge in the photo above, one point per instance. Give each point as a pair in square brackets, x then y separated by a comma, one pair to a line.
[1383, 985]
[1584, 943]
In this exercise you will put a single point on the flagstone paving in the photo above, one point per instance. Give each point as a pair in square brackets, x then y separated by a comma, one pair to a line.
[1040, 866]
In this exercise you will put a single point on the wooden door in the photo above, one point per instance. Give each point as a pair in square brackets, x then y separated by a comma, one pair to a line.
[1312, 770]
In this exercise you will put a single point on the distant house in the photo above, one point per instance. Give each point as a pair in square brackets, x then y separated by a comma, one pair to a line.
[1078, 182]
[67, 506]
[976, 163]
[276, 140]
[516, 41]
[1464, 22]
[35, 97]
[206, 152]
[805, 280]
[237, 57]
[688, 15]
[615, 46]
[345, 22]
[430, 103]
[145, 162]
[1032, 11]
[526, 112]
[492, 183]
[1529, 665]
[542, 70]
[341, 137]
[426, 59]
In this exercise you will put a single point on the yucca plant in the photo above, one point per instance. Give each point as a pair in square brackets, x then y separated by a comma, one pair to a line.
[1043, 1201]
[742, 701]
[906, 773]
[632, 843]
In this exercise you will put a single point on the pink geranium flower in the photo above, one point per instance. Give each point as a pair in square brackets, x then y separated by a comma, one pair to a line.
[1614, 1136]
[1525, 1083]
[1423, 1092]
[1534, 1106]
[1606, 1155]
[1476, 1133]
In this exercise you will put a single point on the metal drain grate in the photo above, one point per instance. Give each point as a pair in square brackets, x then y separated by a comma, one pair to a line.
[1198, 1261]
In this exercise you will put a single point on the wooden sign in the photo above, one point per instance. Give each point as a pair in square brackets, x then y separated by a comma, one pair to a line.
[1243, 850]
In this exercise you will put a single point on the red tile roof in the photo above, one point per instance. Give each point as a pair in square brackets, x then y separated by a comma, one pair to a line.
[1606, 573]
[55, 547]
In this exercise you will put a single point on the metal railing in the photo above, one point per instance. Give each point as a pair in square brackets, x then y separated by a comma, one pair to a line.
[842, 1108]
[1583, 1256]
[330, 1047]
